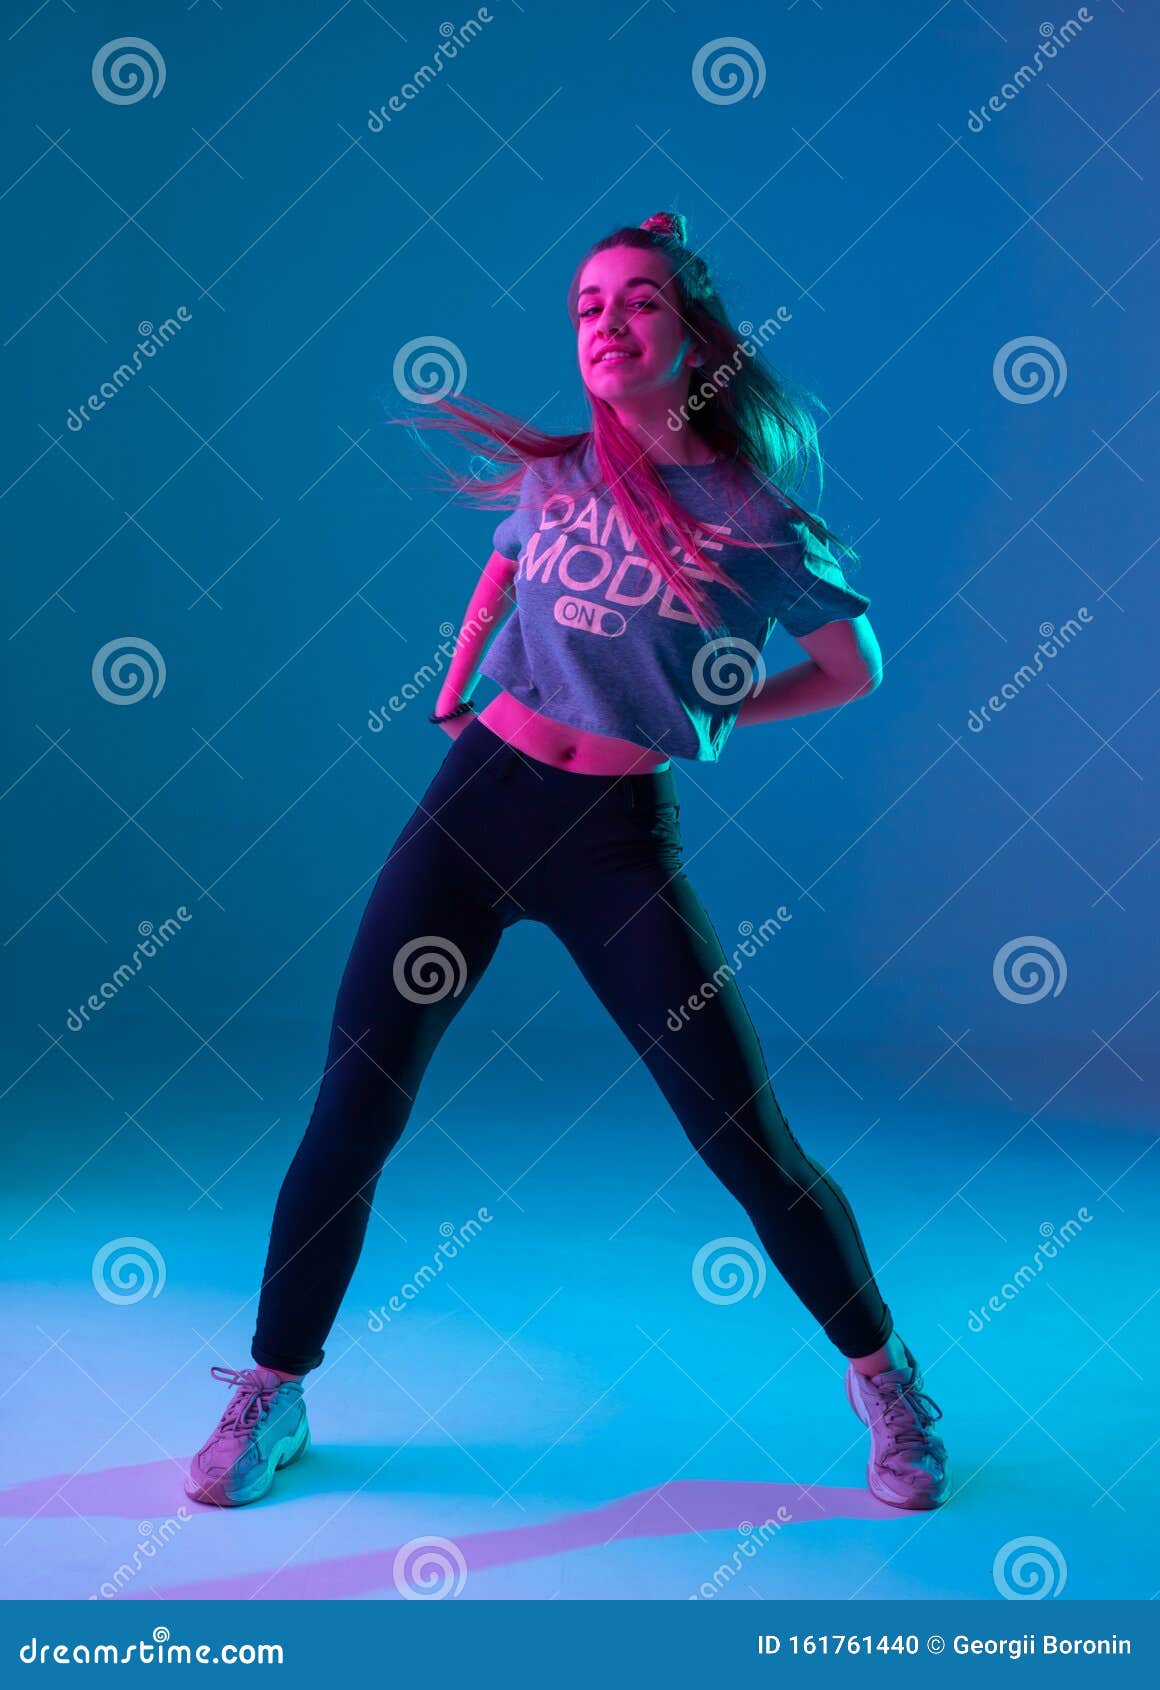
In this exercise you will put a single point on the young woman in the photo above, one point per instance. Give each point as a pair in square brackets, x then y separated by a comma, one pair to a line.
[645, 565]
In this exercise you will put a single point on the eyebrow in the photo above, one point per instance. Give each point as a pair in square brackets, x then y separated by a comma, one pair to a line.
[633, 281]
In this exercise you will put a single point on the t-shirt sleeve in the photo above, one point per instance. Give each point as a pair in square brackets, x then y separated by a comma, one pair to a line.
[811, 589]
[517, 526]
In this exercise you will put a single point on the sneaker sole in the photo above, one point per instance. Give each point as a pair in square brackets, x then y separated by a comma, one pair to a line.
[284, 1454]
[876, 1484]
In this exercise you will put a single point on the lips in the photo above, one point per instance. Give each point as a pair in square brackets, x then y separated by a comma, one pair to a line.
[615, 353]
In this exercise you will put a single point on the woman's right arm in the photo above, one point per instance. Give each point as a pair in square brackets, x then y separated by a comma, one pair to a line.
[493, 598]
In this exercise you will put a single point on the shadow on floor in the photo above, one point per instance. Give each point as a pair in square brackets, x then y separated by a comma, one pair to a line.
[153, 1492]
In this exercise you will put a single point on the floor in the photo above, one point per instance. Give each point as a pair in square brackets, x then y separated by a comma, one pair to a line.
[558, 1412]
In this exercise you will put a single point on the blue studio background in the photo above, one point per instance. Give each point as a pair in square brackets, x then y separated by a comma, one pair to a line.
[241, 506]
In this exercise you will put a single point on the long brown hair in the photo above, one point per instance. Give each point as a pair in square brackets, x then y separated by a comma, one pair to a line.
[741, 409]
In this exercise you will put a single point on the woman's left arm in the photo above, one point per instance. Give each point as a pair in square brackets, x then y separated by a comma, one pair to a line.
[845, 663]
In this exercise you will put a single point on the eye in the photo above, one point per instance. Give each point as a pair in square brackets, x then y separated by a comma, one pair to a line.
[646, 304]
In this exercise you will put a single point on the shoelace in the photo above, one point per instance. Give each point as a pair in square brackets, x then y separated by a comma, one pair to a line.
[909, 1418]
[251, 1401]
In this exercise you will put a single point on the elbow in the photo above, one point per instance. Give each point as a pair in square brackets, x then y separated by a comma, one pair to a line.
[865, 681]
[849, 655]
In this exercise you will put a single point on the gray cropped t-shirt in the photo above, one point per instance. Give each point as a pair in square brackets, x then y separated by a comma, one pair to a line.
[599, 641]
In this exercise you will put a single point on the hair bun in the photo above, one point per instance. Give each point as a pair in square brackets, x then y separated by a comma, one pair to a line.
[669, 223]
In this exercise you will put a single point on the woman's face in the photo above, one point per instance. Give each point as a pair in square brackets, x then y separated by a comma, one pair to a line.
[627, 301]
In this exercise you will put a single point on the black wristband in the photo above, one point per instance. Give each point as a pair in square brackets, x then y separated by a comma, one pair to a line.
[451, 714]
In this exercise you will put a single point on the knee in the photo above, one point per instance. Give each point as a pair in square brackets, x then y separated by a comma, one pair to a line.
[363, 1080]
[748, 1153]
[353, 1127]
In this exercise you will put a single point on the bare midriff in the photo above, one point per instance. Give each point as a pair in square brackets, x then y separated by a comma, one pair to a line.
[564, 747]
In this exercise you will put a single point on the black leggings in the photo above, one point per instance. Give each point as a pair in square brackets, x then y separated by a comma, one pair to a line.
[500, 837]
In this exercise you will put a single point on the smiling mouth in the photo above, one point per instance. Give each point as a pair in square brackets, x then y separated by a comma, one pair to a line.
[614, 357]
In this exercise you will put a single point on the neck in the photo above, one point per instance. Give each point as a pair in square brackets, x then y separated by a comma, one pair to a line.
[648, 425]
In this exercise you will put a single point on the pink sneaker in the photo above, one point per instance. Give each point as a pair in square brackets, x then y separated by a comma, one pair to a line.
[908, 1464]
[263, 1428]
